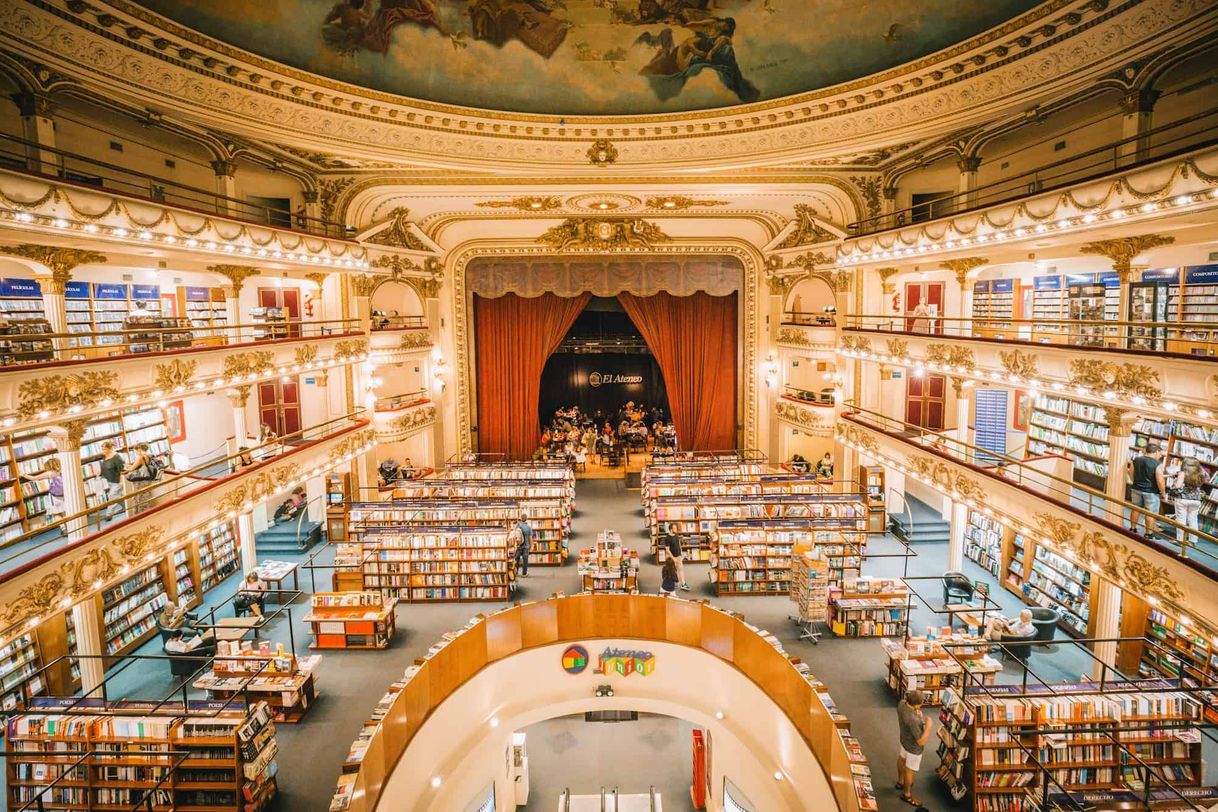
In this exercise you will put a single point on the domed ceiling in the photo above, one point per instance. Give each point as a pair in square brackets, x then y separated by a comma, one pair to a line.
[592, 57]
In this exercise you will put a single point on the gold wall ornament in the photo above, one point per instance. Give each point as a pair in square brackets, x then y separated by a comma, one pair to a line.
[547, 203]
[1122, 250]
[838, 281]
[1129, 380]
[887, 287]
[1018, 362]
[680, 203]
[398, 233]
[80, 574]
[305, 354]
[256, 487]
[396, 264]
[329, 191]
[35, 601]
[946, 476]
[793, 413]
[235, 274]
[317, 278]
[781, 284]
[870, 188]
[962, 266]
[351, 348]
[363, 284]
[134, 547]
[60, 261]
[1056, 529]
[810, 260]
[603, 234]
[351, 444]
[951, 355]
[428, 287]
[853, 343]
[859, 437]
[602, 153]
[413, 420]
[173, 374]
[793, 336]
[238, 396]
[1120, 421]
[807, 231]
[73, 434]
[898, 348]
[414, 339]
[59, 393]
[242, 364]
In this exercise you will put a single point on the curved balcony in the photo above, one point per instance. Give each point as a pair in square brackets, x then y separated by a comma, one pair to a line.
[1153, 368]
[463, 701]
[399, 417]
[1079, 523]
[813, 412]
[71, 557]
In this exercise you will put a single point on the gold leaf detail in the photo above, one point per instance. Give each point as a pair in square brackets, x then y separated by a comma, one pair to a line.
[603, 234]
[174, 374]
[59, 393]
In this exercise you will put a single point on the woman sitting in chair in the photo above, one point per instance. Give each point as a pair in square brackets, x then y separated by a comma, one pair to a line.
[251, 597]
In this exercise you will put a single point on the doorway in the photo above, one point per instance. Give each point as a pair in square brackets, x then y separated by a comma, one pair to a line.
[925, 395]
[279, 405]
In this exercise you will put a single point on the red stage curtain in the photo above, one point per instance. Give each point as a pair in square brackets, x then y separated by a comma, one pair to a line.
[694, 341]
[514, 338]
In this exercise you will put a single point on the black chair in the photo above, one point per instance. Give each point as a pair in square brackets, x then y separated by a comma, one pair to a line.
[957, 588]
[1018, 647]
[1045, 621]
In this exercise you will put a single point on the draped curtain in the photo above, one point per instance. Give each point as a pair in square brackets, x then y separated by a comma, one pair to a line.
[693, 338]
[514, 336]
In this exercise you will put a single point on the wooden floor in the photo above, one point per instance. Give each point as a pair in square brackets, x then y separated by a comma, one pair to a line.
[598, 470]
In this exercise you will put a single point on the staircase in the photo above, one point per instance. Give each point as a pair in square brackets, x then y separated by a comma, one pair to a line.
[287, 538]
[928, 526]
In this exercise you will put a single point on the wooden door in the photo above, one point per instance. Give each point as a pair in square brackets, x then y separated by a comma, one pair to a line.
[279, 405]
[287, 300]
[925, 399]
[930, 293]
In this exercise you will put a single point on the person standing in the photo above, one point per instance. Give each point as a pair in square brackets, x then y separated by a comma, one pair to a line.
[914, 732]
[677, 556]
[1188, 496]
[668, 578]
[1148, 488]
[526, 545]
[112, 465]
[52, 473]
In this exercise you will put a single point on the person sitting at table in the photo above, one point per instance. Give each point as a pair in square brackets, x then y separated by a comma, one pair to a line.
[251, 597]
[389, 470]
[800, 465]
[998, 626]
[180, 643]
[824, 468]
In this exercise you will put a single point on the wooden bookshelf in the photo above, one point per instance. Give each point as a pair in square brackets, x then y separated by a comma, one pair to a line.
[228, 764]
[351, 620]
[871, 480]
[869, 607]
[288, 692]
[1072, 429]
[922, 663]
[129, 609]
[984, 541]
[19, 664]
[439, 564]
[218, 555]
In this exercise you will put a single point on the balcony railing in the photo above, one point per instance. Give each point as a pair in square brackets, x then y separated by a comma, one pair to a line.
[58, 535]
[392, 321]
[824, 397]
[1187, 543]
[20, 155]
[1194, 132]
[1190, 338]
[25, 348]
[395, 403]
[809, 319]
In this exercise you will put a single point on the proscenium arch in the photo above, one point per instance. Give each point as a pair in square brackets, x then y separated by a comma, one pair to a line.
[462, 350]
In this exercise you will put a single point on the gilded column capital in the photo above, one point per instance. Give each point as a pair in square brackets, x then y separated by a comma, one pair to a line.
[317, 278]
[962, 266]
[970, 163]
[1122, 250]
[1120, 421]
[362, 285]
[60, 261]
[235, 274]
[238, 396]
[68, 434]
[885, 274]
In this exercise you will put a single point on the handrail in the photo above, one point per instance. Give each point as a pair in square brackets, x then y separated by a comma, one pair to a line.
[807, 318]
[1065, 493]
[1185, 338]
[1112, 157]
[51, 347]
[16, 150]
[382, 321]
[808, 396]
[393, 403]
[58, 534]
[579, 618]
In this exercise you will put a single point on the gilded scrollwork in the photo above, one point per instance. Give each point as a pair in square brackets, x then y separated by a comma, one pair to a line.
[951, 355]
[603, 234]
[793, 336]
[398, 234]
[244, 364]
[898, 348]
[1018, 362]
[858, 344]
[946, 476]
[35, 600]
[60, 393]
[414, 339]
[305, 354]
[859, 437]
[134, 547]
[412, 422]
[257, 487]
[1125, 379]
[352, 444]
[174, 374]
[807, 231]
[351, 348]
[1110, 557]
[363, 284]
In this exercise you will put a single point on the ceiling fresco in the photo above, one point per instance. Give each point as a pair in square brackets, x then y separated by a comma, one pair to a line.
[592, 57]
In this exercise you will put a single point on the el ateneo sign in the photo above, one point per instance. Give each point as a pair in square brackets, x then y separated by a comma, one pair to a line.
[610, 378]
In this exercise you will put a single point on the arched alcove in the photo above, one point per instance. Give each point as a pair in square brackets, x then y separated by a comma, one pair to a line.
[812, 295]
[396, 298]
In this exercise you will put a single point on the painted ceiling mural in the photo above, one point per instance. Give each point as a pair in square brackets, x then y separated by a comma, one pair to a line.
[593, 57]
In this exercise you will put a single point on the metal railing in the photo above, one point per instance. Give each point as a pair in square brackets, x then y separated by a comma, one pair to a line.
[393, 403]
[1195, 338]
[390, 320]
[56, 536]
[808, 319]
[822, 398]
[30, 158]
[168, 335]
[1173, 538]
[1194, 132]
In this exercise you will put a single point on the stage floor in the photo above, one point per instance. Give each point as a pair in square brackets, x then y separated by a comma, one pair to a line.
[635, 463]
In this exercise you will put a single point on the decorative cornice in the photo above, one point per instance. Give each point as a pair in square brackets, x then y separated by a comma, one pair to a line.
[602, 153]
[408, 424]
[362, 285]
[680, 203]
[810, 260]
[793, 336]
[806, 418]
[1126, 380]
[351, 348]
[235, 274]
[953, 356]
[398, 233]
[245, 364]
[546, 203]
[414, 339]
[60, 261]
[396, 264]
[962, 266]
[305, 354]
[807, 231]
[945, 476]
[256, 487]
[61, 393]
[853, 343]
[317, 278]
[175, 374]
[603, 234]
[1112, 558]
[1122, 250]
[859, 437]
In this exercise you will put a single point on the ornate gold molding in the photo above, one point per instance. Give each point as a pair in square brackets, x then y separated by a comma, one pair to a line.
[951, 355]
[398, 234]
[1018, 362]
[305, 354]
[256, 487]
[414, 339]
[807, 230]
[603, 234]
[962, 266]
[1122, 250]
[396, 264]
[888, 288]
[945, 476]
[352, 444]
[362, 285]
[317, 278]
[351, 348]
[59, 393]
[859, 437]
[802, 417]
[1129, 380]
[1120, 422]
[1114, 559]
[175, 373]
[602, 153]
[898, 348]
[235, 274]
[838, 281]
[413, 421]
[680, 203]
[853, 343]
[781, 284]
[73, 432]
[546, 203]
[810, 260]
[238, 396]
[793, 336]
[243, 364]
[60, 261]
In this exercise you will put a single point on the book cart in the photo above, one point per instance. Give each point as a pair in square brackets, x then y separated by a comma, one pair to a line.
[102, 756]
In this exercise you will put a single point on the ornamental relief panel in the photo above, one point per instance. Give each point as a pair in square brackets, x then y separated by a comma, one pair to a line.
[1016, 62]
[407, 425]
[803, 417]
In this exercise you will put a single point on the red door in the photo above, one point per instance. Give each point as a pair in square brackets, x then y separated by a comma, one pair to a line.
[925, 395]
[279, 405]
[287, 300]
[932, 294]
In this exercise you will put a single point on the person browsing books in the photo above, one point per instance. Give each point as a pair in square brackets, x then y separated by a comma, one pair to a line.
[914, 732]
[676, 555]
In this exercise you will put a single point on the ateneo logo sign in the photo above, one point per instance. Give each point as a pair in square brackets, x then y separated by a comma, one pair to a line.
[598, 378]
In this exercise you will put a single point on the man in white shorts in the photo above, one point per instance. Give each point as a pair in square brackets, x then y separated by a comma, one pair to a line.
[915, 730]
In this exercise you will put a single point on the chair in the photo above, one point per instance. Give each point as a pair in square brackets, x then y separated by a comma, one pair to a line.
[1018, 647]
[1045, 620]
[957, 588]
[183, 665]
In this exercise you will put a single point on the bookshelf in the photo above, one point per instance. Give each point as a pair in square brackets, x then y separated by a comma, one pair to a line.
[992, 745]
[1049, 304]
[205, 310]
[1191, 650]
[1016, 571]
[810, 581]
[609, 568]
[996, 300]
[922, 663]
[218, 555]
[439, 564]
[983, 542]
[285, 683]
[869, 607]
[129, 609]
[1071, 429]
[1181, 440]
[227, 758]
[351, 620]
[29, 453]
[338, 494]
[19, 662]
[185, 577]
[1057, 583]
[871, 477]
[21, 305]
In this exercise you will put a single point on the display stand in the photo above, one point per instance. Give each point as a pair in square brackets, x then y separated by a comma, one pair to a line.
[351, 620]
[285, 682]
[922, 663]
[609, 568]
[870, 607]
[810, 591]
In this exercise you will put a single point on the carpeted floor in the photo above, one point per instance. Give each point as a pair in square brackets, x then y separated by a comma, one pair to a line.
[352, 682]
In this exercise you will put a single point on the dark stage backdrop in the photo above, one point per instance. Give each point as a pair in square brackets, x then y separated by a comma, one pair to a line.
[600, 381]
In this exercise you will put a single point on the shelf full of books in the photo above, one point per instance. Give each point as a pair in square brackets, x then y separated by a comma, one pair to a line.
[221, 761]
[995, 742]
[1072, 429]
[439, 564]
[922, 663]
[129, 609]
[869, 607]
[754, 556]
[19, 666]
[218, 556]
[351, 620]
[983, 542]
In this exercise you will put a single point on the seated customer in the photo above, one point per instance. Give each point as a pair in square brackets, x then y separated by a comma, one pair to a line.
[291, 506]
[251, 597]
[179, 643]
[998, 626]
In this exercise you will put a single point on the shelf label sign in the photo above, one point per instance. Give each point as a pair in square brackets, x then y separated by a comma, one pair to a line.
[197, 294]
[575, 659]
[20, 288]
[981, 287]
[76, 290]
[1002, 286]
[145, 292]
[109, 290]
[1201, 273]
[1080, 279]
[1112, 279]
[1161, 275]
[1047, 283]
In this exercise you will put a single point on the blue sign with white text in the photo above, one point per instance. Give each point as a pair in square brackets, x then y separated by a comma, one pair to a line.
[109, 290]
